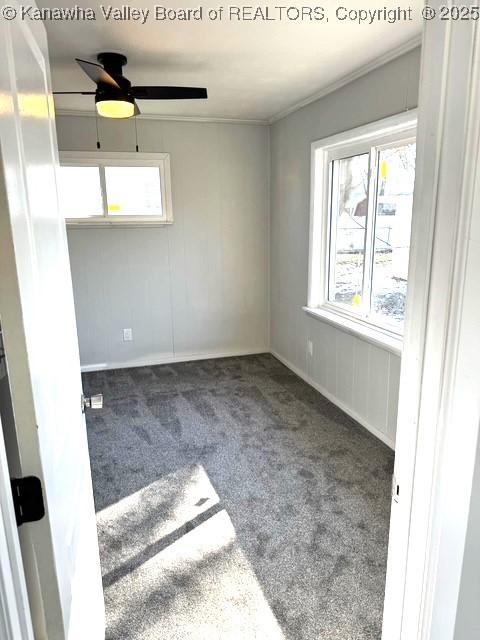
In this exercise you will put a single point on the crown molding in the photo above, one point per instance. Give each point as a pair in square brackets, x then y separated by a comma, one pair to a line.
[411, 44]
[154, 116]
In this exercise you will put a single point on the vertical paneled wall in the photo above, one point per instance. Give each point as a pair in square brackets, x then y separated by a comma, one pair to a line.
[361, 377]
[193, 289]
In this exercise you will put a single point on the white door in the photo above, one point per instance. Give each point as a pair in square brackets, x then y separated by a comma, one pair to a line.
[37, 314]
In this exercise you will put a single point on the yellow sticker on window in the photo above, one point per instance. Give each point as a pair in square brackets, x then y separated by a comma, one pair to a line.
[114, 207]
[384, 169]
[357, 300]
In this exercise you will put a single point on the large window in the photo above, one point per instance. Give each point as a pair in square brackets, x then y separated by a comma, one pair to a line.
[115, 189]
[362, 201]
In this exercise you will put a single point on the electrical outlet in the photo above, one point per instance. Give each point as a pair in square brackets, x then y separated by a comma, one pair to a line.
[310, 348]
[127, 335]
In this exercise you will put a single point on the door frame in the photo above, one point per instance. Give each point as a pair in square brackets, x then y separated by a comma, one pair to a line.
[439, 412]
[15, 618]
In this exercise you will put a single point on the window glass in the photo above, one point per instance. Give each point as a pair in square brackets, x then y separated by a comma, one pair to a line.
[395, 181]
[79, 192]
[349, 202]
[133, 191]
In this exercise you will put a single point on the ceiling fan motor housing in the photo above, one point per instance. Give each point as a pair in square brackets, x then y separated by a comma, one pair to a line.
[112, 62]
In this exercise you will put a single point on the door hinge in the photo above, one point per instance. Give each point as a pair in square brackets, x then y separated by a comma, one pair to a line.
[27, 499]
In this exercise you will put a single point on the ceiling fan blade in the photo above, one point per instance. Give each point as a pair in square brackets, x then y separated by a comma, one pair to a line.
[169, 93]
[73, 93]
[97, 73]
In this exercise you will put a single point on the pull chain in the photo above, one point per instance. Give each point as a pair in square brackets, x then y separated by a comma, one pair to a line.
[136, 135]
[96, 125]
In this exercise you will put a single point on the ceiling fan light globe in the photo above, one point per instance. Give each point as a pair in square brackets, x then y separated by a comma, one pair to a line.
[115, 108]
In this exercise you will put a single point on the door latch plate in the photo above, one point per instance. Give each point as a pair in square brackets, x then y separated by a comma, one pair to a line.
[93, 402]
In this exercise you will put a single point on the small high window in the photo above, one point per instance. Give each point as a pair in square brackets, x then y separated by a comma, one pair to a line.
[115, 189]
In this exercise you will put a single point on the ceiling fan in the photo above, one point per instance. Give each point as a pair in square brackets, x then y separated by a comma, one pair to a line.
[115, 97]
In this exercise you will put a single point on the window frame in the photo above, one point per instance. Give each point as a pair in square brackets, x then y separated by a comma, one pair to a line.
[380, 134]
[104, 159]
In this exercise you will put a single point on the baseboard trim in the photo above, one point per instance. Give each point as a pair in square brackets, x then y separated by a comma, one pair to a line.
[190, 357]
[341, 405]
[186, 357]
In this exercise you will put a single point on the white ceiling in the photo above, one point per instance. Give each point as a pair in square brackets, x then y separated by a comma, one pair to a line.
[252, 69]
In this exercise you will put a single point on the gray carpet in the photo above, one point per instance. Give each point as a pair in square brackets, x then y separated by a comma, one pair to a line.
[234, 502]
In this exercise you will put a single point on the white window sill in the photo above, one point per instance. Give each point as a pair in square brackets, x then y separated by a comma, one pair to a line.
[374, 335]
[83, 223]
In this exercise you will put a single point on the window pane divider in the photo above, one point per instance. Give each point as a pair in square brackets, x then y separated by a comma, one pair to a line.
[103, 187]
[370, 234]
[332, 227]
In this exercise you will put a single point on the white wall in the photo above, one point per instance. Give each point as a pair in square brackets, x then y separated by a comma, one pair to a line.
[362, 378]
[197, 287]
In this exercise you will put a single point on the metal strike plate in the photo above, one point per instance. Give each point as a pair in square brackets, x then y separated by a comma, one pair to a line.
[93, 402]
